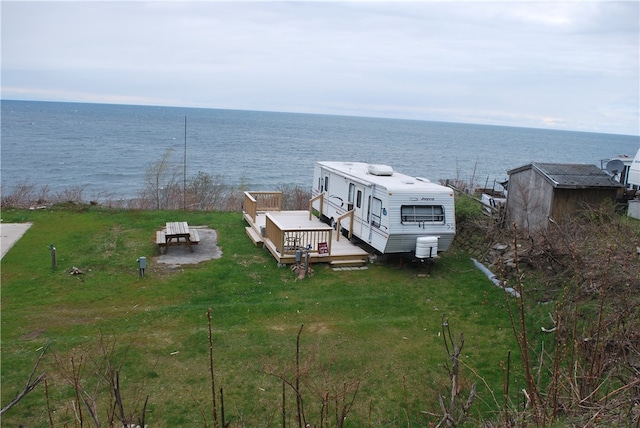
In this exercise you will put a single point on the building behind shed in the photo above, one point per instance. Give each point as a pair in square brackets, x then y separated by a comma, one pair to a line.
[538, 192]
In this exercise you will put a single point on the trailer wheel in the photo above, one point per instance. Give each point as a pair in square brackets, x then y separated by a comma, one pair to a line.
[333, 224]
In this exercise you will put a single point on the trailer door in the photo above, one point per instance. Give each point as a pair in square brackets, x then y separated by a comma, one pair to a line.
[323, 188]
[357, 203]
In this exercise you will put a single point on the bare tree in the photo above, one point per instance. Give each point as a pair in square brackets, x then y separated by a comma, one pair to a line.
[162, 181]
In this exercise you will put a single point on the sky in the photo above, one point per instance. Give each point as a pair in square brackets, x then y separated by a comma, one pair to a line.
[566, 65]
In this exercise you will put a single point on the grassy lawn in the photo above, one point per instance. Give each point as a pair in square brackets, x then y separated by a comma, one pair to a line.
[379, 327]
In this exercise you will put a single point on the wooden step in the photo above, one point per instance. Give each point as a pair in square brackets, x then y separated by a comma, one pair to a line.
[255, 236]
[348, 263]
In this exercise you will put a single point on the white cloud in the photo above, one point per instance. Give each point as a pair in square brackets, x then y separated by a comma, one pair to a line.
[571, 65]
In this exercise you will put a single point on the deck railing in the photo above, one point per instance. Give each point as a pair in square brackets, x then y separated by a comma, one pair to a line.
[349, 215]
[320, 197]
[255, 202]
[288, 241]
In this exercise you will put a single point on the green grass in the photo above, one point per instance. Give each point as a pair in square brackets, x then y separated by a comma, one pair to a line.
[377, 326]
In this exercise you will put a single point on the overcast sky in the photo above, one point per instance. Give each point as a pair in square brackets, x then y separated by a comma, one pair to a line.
[561, 65]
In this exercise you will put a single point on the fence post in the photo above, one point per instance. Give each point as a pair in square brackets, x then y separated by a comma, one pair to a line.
[54, 262]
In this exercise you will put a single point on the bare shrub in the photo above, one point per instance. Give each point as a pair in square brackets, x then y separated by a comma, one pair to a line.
[206, 192]
[165, 190]
[73, 194]
[455, 404]
[318, 398]
[294, 197]
[26, 195]
[582, 362]
[94, 378]
[586, 266]
[161, 182]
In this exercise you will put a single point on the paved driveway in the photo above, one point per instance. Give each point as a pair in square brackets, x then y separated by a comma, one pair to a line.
[10, 233]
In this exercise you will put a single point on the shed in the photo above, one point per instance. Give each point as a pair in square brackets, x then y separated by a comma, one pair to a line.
[540, 191]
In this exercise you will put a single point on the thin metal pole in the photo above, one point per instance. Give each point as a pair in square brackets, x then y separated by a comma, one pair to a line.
[184, 179]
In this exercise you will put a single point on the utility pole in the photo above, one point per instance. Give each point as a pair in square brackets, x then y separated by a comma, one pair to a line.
[184, 176]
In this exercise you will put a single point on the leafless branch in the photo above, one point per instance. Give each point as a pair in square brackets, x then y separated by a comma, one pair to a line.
[30, 385]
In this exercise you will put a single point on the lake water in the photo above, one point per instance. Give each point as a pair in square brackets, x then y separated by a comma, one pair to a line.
[109, 148]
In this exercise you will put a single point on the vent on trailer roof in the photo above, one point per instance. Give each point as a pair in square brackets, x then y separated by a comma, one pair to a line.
[385, 170]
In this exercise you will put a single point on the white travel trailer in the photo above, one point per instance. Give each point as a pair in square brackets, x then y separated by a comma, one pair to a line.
[392, 212]
[634, 172]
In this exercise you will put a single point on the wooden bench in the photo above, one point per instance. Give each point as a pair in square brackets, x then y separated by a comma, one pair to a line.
[161, 238]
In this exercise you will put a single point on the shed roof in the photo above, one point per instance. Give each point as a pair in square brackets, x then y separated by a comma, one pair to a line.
[571, 176]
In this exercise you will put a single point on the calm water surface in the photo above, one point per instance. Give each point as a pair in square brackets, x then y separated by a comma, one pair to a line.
[109, 148]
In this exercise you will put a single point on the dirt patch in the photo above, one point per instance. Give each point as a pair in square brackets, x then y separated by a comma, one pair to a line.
[316, 328]
[319, 328]
[179, 255]
[32, 335]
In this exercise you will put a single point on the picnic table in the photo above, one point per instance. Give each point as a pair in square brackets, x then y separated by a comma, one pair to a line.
[177, 233]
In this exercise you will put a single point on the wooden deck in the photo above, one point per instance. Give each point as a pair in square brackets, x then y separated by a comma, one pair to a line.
[284, 233]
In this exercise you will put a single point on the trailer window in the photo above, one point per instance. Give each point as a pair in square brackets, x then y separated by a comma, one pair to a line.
[326, 183]
[352, 190]
[422, 214]
[376, 212]
[359, 199]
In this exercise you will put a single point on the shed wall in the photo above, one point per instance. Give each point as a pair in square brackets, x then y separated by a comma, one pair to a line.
[529, 200]
[570, 201]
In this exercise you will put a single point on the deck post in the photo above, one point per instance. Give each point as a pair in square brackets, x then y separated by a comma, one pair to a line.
[320, 197]
[343, 216]
[250, 205]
